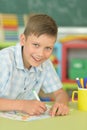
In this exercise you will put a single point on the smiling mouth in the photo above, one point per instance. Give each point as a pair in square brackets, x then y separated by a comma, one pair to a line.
[36, 59]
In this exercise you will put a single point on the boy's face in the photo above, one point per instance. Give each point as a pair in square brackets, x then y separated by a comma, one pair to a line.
[36, 49]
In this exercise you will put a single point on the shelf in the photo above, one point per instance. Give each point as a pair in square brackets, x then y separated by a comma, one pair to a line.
[76, 49]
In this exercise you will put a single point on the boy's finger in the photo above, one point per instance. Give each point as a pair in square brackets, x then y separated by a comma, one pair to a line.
[54, 111]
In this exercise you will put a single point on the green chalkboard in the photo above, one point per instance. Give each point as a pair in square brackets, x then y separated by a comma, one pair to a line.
[65, 12]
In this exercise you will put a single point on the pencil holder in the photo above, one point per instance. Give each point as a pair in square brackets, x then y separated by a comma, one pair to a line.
[82, 98]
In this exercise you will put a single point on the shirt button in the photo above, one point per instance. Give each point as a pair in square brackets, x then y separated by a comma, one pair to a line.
[36, 82]
[24, 88]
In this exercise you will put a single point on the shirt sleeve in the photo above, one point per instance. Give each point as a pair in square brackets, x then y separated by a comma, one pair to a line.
[51, 81]
[4, 72]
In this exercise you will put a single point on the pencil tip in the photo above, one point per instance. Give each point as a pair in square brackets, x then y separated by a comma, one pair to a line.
[77, 78]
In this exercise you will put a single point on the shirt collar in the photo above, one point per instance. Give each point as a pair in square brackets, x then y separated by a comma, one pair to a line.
[37, 69]
[42, 67]
[18, 57]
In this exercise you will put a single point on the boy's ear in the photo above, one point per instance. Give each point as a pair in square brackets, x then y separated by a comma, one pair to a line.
[22, 39]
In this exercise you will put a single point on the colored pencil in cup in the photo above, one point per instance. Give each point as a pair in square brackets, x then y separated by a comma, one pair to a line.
[82, 82]
[85, 82]
[78, 82]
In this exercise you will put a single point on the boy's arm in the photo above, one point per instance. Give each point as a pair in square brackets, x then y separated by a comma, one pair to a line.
[61, 96]
[31, 107]
[10, 105]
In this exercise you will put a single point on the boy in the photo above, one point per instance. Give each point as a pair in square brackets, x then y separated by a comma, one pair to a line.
[26, 66]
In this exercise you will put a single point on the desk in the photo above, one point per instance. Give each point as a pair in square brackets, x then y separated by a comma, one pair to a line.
[76, 120]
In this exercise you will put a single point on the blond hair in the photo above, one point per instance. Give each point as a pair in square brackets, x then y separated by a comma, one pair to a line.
[39, 24]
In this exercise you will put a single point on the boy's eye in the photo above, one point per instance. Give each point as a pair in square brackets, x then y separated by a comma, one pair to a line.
[36, 45]
[48, 48]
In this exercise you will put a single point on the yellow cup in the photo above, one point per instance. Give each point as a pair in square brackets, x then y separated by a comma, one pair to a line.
[82, 98]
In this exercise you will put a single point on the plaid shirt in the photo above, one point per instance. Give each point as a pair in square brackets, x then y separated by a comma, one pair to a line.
[17, 82]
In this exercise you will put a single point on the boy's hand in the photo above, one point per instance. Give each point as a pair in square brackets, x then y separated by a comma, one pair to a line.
[33, 107]
[59, 109]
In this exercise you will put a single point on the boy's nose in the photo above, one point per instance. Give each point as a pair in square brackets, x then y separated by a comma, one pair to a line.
[41, 52]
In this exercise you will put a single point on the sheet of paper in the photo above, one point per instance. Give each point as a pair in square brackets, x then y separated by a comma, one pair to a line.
[24, 117]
